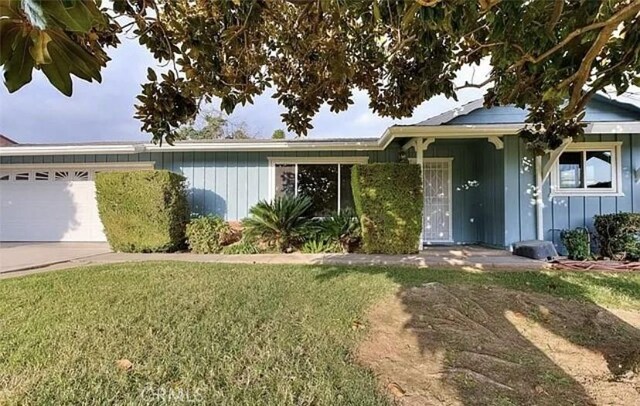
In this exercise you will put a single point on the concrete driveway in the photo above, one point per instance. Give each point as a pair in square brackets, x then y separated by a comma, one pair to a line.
[16, 257]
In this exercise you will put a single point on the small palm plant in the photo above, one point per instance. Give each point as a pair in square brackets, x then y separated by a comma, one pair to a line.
[342, 228]
[281, 223]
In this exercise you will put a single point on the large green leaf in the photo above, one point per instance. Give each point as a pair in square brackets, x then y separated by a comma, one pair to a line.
[19, 64]
[81, 63]
[9, 30]
[58, 71]
[79, 16]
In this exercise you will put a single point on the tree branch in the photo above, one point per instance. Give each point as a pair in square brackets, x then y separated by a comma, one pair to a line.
[626, 12]
[558, 7]
[476, 85]
[583, 73]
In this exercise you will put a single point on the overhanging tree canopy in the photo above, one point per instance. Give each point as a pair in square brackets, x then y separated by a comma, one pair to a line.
[550, 55]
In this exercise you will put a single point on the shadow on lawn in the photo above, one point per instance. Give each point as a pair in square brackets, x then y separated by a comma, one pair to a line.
[500, 338]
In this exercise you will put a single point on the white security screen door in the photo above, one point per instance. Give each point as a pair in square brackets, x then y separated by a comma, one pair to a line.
[436, 225]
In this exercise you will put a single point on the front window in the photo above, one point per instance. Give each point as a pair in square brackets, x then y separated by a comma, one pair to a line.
[588, 170]
[327, 184]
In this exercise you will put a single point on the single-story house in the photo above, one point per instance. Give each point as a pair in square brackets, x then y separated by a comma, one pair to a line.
[480, 181]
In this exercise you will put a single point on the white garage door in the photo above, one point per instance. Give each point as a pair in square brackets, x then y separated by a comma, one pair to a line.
[53, 202]
[49, 205]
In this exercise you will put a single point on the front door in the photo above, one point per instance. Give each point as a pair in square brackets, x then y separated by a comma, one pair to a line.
[436, 224]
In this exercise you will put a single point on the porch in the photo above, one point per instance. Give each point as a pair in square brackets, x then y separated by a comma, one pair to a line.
[464, 189]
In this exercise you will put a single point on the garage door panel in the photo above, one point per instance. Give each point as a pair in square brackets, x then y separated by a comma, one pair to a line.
[49, 211]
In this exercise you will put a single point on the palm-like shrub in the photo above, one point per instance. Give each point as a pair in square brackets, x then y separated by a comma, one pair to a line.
[280, 223]
[342, 228]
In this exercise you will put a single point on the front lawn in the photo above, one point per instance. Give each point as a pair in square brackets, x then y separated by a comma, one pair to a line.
[220, 334]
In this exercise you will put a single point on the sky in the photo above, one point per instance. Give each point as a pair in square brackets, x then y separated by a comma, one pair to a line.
[38, 113]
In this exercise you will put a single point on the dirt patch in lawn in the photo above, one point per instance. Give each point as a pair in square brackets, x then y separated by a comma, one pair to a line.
[460, 345]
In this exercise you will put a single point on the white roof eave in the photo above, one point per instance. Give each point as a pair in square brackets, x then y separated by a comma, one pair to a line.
[390, 134]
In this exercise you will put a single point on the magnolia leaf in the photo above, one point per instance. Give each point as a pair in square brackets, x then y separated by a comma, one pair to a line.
[81, 63]
[410, 14]
[39, 50]
[151, 75]
[18, 67]
[8, 32]
[10, 9]
[58, 72]
[81, 16]
[376, 11]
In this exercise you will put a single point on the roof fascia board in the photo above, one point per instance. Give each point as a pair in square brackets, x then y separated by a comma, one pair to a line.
[86, 165]
[70, 150]
[390, 134]
[268, 146]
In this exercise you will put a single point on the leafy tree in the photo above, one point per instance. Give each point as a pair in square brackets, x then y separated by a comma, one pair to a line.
[278, 135]
[551, 55]
[213, 127]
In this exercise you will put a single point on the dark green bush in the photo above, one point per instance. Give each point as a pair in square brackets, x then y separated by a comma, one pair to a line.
[388, 199]
[281, 223]
[618, 235]
[143, 211]
[578, 243]
[207, 234]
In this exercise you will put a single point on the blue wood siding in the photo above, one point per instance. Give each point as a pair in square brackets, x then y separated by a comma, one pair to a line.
[562, 212]
[477, 189]
[222, 183]
[492, 196]
[597, 110]
[490, 207]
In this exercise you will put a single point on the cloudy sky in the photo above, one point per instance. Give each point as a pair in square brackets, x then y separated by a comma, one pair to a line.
[104, 112]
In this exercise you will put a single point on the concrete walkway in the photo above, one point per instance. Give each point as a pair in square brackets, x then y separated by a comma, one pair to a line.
[469, 258]
[25, 256]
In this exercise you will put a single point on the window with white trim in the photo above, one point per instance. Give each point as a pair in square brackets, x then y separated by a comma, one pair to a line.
[588, 169]
[326, 182]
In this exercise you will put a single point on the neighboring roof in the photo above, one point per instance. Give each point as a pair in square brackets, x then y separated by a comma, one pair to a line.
[469, 121]
[453, 113]
[6, 141]
[601, 108]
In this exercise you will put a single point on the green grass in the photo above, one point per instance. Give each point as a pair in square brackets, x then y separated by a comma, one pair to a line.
[219, 334]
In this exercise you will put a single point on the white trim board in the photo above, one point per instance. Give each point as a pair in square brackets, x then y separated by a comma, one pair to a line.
[273, 161]
[374, 144]
[616, 181]
[104, 166]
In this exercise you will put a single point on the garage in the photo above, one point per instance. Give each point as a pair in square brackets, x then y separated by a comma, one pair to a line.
[52, 202]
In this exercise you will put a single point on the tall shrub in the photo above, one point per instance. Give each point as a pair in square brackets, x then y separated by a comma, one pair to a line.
[388, 199]
[143, 211]
[618, 235]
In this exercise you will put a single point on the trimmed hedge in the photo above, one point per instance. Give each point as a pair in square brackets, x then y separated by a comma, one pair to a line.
[207, 234]
[143, 211]
[618, 235]
[388, 199]
[578, 243]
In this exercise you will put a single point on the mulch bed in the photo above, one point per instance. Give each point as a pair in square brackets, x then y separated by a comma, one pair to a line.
[604, 265]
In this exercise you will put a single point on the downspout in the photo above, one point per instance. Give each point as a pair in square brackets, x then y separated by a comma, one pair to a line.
[542, 173]
[419, 145]
[538, 197]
